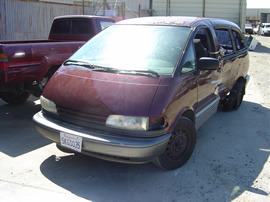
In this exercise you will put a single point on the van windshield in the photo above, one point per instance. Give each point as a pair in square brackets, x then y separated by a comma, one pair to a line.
[136, 47]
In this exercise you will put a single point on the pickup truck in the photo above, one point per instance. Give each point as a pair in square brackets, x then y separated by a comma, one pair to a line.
[26, 66]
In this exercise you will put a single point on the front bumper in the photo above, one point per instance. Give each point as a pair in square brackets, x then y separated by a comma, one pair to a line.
[104, 145]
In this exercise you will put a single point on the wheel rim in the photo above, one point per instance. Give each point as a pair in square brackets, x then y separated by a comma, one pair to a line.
[177, 145]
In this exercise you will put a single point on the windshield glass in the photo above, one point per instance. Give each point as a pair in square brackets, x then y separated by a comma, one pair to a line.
[135, 47]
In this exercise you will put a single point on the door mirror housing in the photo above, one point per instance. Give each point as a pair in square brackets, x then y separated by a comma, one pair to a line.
[207, 63]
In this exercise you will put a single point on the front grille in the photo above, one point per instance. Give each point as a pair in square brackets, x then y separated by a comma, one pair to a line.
[81, 116]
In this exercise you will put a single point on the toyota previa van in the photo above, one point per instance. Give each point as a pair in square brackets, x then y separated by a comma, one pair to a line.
[139, 90]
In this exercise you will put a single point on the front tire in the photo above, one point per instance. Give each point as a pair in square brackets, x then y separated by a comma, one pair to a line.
[17, 97]
[180, 146]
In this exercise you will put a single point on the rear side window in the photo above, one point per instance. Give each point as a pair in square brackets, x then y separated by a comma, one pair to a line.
[71, 27]
[239, 41]
[225, 41]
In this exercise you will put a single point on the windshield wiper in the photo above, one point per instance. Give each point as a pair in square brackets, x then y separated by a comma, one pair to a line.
[145, 72]
[77, 62]
[87, 64]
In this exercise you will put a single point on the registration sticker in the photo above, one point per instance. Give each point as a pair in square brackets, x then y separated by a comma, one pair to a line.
[71, 141]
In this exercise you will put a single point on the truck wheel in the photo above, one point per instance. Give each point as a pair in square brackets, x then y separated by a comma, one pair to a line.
[180, 146]
[18, 97]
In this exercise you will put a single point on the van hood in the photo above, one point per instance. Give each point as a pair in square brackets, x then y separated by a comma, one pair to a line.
[102, 93]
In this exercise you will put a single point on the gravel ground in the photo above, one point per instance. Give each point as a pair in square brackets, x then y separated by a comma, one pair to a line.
[260, 67]
[259, 91]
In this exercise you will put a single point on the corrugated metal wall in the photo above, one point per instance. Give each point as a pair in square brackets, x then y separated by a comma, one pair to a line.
[62, 1]
[177, 7]
[132, 8]
[22, 20]
[231, 10]
[31, 19]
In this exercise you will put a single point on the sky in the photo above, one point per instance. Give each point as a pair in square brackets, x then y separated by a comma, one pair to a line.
[258, 3]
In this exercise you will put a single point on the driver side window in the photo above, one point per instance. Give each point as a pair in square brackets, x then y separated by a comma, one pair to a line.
[202, 43]
[189, 60]
[200, 47]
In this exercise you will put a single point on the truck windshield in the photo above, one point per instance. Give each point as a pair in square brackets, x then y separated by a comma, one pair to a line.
[136, 47]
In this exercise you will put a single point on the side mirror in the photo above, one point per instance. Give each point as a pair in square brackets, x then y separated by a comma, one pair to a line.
[207, 63]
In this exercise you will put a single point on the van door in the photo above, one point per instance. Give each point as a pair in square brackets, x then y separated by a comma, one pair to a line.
[228, 59]
[208, 81]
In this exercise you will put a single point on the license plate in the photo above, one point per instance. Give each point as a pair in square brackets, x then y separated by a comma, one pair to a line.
[71, 141]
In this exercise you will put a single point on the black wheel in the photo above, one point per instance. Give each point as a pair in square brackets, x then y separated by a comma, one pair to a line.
[235, 98]
[239, 99]
[17, 97]
[180, 146]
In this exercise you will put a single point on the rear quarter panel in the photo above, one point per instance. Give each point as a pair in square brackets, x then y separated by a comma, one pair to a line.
[25, 58]
[233, 68]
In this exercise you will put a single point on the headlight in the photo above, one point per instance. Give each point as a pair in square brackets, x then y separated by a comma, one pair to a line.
[128, 122]
[48, 105]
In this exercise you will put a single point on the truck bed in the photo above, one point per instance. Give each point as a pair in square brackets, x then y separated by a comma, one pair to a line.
[28, 55]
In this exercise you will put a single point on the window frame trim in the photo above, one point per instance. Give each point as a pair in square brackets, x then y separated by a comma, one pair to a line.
[229, 28]
[245, 44]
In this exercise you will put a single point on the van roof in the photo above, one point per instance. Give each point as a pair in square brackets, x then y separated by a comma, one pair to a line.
[185, 21]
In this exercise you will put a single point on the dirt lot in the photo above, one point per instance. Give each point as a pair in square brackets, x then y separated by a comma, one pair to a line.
[260, 67]
[231, 161]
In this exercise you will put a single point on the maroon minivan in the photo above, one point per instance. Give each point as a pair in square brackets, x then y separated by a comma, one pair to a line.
[138, 91]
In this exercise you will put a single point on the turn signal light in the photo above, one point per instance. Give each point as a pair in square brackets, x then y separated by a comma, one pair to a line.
[3, 62]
